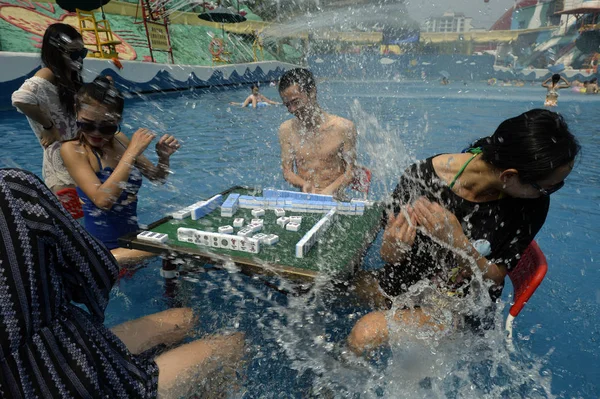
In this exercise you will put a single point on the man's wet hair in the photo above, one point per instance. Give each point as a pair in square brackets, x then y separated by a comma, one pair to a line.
[298, 76]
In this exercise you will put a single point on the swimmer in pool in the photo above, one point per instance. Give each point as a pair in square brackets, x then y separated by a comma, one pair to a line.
[458, 223]
[592, 87]
[321, 147]
[553, 84]
[255, 98]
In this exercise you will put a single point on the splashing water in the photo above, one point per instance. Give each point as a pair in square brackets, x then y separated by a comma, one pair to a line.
[297, 343]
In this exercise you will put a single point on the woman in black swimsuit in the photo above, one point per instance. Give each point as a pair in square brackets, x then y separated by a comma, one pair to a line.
[459, 218]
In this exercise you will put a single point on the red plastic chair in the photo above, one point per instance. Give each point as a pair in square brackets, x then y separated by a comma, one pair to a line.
[362, 180]
[526, 277]
[69, 198]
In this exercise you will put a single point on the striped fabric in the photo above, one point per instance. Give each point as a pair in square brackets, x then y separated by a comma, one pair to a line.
[51, 348]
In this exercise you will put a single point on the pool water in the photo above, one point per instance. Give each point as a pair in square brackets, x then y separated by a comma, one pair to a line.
[293, 343]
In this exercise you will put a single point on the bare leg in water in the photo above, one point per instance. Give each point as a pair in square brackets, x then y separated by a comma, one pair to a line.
[128, 257]
[210, 362]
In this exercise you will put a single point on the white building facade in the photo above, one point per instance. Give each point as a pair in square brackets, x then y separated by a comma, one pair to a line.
[449, 22]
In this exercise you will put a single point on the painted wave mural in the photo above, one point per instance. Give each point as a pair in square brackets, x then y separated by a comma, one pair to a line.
[137, 77]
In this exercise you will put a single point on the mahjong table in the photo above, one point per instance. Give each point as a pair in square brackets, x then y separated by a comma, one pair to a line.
[338, 251]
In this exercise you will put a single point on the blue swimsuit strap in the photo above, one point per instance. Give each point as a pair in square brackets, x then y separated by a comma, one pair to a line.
[98, 157]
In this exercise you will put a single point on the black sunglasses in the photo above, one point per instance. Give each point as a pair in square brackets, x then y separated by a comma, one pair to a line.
[104, 129]
[78, 54]
[547, 191]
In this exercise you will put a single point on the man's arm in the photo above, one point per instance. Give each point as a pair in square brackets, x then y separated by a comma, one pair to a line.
[247, 101]
[266, 100]
[349, 157]
[288, 158]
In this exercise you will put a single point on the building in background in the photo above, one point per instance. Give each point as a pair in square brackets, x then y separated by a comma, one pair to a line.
[449, 22]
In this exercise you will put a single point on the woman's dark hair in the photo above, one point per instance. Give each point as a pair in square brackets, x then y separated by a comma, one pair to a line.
[100, 91]
[68, 81]
[254, 86]
[298, 76]
[534, 143]
[103, 91]
[594, 80]
[555, 78]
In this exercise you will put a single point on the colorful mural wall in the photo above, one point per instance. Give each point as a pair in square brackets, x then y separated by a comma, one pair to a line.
[23, 22]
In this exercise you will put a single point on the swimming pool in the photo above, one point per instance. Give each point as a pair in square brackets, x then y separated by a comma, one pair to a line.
[289, 337]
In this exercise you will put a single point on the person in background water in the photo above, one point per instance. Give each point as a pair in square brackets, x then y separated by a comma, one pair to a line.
[47, 99]
[553, 84]
[107, 167]
[320, 146]
[459, 220]
[592, 87]
[255, 99]
[53, 348]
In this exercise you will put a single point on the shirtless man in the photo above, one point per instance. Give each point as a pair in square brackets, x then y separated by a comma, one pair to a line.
[254, 99]
[320, 147]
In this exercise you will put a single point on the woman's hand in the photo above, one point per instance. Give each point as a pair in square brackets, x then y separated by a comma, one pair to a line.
[438, 222]
[140, 141]
[166, 146]
[49, 136]
[399, 235]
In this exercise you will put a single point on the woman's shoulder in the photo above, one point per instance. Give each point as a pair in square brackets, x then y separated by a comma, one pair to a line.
[420, 173]
[45, 74]
[73, 148]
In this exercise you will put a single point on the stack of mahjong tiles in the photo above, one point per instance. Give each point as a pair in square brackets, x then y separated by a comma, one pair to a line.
[282, 200]
[199, 209]
[315, 233]
[244, 240]
[218, 240]
[250, 235]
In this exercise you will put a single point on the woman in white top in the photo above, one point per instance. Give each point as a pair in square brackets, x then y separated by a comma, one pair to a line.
[48, 99]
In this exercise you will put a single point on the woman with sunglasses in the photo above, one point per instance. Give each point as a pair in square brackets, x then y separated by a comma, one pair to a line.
[459, 223]
[107, 167]
[47, 99]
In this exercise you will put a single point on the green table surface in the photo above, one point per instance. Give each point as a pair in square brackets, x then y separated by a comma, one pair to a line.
[337, 252]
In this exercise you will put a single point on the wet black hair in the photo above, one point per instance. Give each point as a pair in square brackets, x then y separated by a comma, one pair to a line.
[56, 37]
[103, 91]
[555, 78]
[593, 80]
[298, 76]
[534, 143]
[254, 86]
